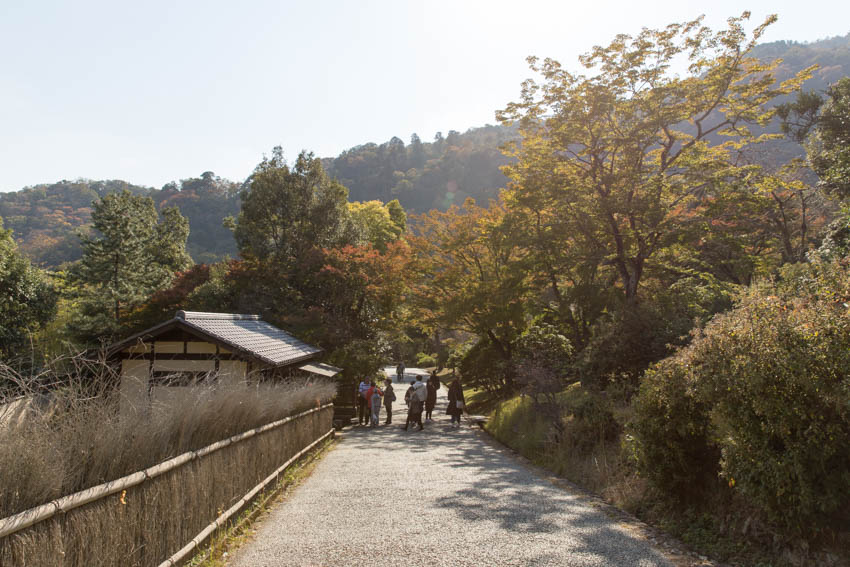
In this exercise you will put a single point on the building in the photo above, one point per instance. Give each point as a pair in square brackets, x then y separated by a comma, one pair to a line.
[164, 361]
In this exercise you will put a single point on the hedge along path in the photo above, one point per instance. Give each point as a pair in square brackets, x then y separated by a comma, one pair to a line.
[58, 533]
[443, 496]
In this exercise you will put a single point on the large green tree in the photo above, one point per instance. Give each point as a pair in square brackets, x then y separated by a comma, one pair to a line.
[27, 299]
[329, 270]
[610, 162]
[131, 254]
[377, 223]
[287, 211]
[824, 124]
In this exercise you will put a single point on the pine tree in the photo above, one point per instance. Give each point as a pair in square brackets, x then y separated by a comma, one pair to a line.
[130, 256]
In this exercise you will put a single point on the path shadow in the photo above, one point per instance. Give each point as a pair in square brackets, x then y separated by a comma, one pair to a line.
[504, 490]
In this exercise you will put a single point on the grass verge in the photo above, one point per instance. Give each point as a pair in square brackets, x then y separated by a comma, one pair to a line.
[592, 456]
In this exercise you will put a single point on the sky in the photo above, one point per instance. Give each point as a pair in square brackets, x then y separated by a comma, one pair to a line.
[156, 91]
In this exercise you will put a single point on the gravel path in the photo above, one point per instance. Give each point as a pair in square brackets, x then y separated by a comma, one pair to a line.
[443, 496]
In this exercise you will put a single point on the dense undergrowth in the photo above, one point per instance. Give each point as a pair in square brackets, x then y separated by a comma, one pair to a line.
[77, 436]
[739, 443]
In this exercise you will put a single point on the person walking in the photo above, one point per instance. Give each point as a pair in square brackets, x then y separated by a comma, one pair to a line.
[399, 372]
[389, 398]
[456, 402]
[363, 412]
[430, 399]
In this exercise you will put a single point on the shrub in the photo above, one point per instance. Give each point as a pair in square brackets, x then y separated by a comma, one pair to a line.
[625, 343]
[484, 367]
[768, 384]
[516, 423]
[670, 437]
[778, 370]
[588, 419]
[426, 360]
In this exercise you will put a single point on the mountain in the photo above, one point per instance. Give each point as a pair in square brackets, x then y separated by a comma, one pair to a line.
[45, 218]
[425, 176]
[421, 175]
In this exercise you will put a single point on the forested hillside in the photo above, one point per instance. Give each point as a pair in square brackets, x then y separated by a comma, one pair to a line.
[424, 176]
[46, 219]
[421, 175]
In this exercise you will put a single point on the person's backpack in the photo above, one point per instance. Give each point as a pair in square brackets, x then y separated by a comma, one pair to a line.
[421, 393]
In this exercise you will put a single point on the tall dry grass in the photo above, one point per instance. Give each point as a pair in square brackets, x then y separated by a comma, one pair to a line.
[61, 430]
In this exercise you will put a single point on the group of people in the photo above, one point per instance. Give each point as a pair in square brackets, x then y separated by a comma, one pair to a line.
[369, 400]
[419, 396]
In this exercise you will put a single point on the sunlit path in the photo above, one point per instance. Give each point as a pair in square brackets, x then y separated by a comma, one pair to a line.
[442, 496]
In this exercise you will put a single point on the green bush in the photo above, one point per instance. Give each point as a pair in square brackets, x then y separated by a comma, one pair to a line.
[588, 419]
[426, 360]
[516, 423]
[670, 437]
[768, 384]
[624, 344]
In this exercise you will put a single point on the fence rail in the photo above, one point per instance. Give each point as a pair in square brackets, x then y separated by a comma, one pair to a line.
[55, 531]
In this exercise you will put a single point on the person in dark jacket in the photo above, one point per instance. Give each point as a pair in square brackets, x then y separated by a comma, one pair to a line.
[389, 398]
[434, 380]
[456, 402]
[430, 400]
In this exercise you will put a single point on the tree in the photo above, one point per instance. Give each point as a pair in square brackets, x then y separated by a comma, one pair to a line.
[829, 149]
[331, 271]
[377, 223]
[130, 256]
[619, 155]
[287, 211]
[27, 299]
[205, 201]
[468, 279]
[824, 123]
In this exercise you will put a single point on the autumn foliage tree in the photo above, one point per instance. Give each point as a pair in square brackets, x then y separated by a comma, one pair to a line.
[331, 271]
[469, 279]
[615, 157]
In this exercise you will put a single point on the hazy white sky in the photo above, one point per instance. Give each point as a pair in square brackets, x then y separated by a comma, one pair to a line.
[156, 91]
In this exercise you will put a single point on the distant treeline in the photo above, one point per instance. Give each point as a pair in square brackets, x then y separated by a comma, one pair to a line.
[421, 175]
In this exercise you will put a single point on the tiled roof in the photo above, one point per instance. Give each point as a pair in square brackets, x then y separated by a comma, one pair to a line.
[321, 369]
[250, 333]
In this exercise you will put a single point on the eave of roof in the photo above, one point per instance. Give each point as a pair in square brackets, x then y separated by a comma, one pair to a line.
[181, 322]
[321, 369]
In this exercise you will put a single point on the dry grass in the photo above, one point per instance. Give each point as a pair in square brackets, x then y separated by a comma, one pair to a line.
[240, 531]
[75, 438]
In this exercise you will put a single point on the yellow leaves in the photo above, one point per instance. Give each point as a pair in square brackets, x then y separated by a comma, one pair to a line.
[123, 498]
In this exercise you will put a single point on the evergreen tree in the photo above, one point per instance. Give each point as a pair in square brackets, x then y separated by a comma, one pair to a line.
[287, 211]
[130, 256]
